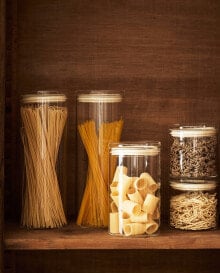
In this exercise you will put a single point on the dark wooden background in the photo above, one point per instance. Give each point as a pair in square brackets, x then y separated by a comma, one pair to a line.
[164, 54]
[2, 93]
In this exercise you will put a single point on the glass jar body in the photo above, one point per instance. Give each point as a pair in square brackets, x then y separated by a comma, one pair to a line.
[99, 122]
[134, 189]
[193, 153]
[43, 134]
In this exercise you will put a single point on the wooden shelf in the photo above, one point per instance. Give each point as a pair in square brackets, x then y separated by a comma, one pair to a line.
[74, 237]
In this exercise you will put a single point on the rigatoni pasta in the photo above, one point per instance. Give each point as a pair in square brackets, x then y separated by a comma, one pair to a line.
[134, 229]
[137, 214]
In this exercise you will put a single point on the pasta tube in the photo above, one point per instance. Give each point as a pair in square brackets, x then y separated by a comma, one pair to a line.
[113, 206]
[156, 214]
[151, 227]
[143, 217]
[150, 203]
[131, 207]
[114, 223]
[124, 184]
[125, 218]
[135, 196]
[151, 184]
[114, 196]
[141, 185]
[134, 229]
[114, 186]
[120, 170]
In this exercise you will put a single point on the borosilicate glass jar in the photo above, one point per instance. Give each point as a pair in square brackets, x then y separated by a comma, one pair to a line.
[99, 122]
[134, 188]
[43, 135]
[193, 152]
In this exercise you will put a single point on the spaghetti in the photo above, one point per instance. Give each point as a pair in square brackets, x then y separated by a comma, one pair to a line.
[94, 206]
[42, 129]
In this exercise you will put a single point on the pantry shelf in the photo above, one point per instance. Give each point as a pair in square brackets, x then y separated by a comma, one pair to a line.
[73, 237]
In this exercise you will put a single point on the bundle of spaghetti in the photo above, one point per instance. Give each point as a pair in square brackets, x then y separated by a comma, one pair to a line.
[41, 135]
[94, 206]
[108, 133]
[193, 211]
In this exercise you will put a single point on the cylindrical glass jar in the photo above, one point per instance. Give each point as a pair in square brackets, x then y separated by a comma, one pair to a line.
[193, 206]
[43, 134]
[134, 193]
[193, 152]
[99, 123]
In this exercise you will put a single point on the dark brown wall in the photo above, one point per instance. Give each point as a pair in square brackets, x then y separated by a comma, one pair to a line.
[2, 93]
[164, 54]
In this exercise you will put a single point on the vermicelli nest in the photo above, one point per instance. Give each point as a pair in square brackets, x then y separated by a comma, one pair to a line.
[193, 211]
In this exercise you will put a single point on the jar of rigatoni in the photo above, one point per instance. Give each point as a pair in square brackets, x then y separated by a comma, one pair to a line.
[99, 122]
[134, 188]
[43, 135]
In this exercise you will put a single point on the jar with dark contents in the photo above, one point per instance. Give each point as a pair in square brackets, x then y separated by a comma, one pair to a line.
[193, 206]
[193, 152]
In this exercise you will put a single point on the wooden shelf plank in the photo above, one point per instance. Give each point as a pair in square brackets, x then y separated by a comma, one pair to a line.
[73, 237]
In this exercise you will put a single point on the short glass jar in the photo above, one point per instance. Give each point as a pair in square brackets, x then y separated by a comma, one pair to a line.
[193, 152]
[134, 193]
[193, 206]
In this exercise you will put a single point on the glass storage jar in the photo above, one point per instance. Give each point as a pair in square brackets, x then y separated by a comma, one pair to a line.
[99, 123]
[43, 134]
[193, 206]
[193, 152]
[134, 188]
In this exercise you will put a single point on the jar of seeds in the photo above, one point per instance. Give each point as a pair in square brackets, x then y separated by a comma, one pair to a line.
[193, 152]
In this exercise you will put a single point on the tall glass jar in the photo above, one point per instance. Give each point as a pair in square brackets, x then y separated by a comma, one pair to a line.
[193, 152]
[43, 134]
[193, 206]
[134, 192]
[99, 123]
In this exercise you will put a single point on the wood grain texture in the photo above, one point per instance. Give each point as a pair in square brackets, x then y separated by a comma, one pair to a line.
[75, 238]
[2, 111]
